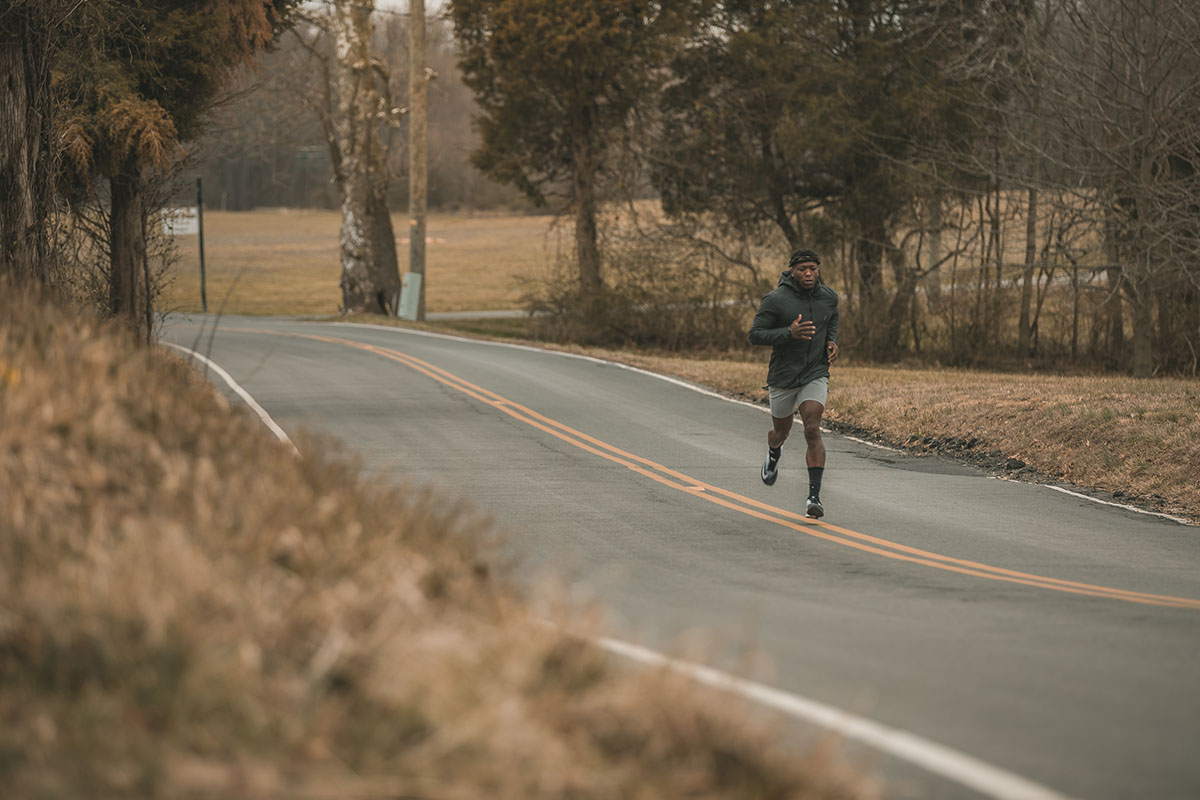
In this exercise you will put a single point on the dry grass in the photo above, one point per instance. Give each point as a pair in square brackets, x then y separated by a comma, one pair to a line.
[187, 610]
[286, 262]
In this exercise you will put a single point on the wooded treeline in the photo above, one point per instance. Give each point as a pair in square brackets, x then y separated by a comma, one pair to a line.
[991, 180]
[1006, 182]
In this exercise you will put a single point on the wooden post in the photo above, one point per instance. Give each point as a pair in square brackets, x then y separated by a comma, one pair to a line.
[417, 164]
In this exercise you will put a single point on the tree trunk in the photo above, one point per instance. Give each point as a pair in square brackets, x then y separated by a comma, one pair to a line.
[1116, 320]
[870, 252]
[25, 155]
[129, 295]
[357, 240]
[888, 344]
[1167, 338]
[933, 277]
[370, 275]
[386, 269]
[1024, 327]
[587, 253]
[1143, 332]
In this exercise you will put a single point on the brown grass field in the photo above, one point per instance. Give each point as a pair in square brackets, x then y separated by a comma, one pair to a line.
[286, 262]
[188, 609]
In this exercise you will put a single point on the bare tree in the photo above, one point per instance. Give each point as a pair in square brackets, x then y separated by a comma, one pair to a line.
[355, 106]
[27, 30]
[1121, 82]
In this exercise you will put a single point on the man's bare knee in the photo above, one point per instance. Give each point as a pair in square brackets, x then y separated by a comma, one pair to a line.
[812, 431]
[780, 428]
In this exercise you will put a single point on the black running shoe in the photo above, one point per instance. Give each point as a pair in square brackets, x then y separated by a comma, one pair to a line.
[813, 508]
[770, 469]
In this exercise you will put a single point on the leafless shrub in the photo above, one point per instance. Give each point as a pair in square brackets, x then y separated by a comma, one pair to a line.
[81, 234]
[669, 293]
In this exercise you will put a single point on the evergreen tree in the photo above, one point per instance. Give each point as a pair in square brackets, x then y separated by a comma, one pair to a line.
[130, 98]
[807, 116]
[557, 81]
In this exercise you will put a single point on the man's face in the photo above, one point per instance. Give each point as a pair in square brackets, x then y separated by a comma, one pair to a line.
[806, 273]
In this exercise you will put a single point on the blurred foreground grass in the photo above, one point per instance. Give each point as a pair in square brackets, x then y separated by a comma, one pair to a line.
[188, 610]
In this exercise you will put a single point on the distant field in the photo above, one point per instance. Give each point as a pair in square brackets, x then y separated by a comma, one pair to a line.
[286, 262]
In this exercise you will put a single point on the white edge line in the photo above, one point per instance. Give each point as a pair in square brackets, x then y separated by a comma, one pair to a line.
[242, 393]
[710, 393]
[938, 759]
[870, 444]
[1180, 520]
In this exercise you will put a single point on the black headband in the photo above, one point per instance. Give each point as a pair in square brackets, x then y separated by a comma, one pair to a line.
[802, 255]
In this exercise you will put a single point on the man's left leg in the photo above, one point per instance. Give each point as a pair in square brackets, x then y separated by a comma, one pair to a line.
[810, 415]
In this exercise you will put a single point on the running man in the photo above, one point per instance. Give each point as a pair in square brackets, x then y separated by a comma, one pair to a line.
[799, 320]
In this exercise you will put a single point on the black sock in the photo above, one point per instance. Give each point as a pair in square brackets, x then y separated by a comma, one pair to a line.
[775, 452]
[814, 481]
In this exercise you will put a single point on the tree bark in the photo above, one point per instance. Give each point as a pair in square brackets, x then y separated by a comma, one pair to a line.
[25, 154]
[128, 293]
[387, 267]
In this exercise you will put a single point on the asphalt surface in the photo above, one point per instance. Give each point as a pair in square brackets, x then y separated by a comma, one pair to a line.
[1051, 637]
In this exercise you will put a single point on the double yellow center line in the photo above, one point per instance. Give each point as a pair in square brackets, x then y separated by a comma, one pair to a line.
[674, 479]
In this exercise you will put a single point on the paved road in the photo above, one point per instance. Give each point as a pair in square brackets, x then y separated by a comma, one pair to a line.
[1051, 637]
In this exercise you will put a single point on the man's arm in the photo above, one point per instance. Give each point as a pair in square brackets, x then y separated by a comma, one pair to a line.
[831, 334]
[764, 331]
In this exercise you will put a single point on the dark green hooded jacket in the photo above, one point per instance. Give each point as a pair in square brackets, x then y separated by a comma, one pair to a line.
[795, 362]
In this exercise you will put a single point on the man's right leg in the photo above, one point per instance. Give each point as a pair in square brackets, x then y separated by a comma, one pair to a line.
[780, 428]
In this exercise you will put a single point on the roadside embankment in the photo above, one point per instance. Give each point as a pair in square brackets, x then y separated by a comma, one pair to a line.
[189, 609]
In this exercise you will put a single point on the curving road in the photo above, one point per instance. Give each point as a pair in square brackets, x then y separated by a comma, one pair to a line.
[1054, 640]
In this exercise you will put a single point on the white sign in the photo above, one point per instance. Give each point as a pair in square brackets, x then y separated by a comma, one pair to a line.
[180, 221]
[410, 295]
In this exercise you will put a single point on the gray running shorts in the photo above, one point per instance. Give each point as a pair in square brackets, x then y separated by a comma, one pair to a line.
[784, 402]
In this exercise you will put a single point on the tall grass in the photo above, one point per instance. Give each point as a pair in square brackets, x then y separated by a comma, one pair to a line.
[188, 609]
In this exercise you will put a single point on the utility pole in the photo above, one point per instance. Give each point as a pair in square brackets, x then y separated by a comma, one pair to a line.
[417, 158]
[200, 231]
